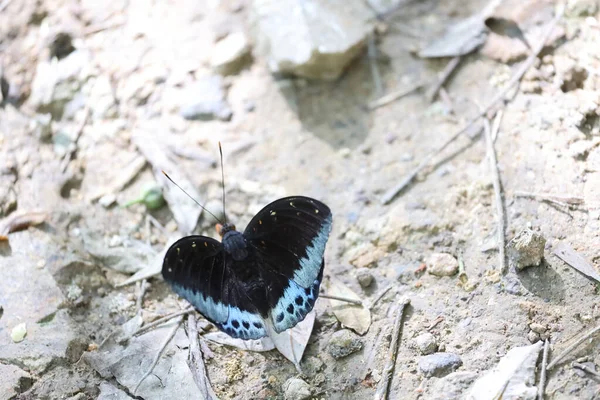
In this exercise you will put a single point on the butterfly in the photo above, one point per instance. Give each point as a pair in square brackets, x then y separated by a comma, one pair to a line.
[265, 278]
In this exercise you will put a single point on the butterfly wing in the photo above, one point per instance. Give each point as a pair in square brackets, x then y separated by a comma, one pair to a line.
[200, 271]
[289, 238]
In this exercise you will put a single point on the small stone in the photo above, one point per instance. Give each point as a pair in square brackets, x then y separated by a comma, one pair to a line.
[537, 328]
[364, 277]
[231, 54]
[526, 249]
[533, 337]
[107, 200]
[205, 100]
[439, 364]
[296, 389]
[442, 264]
[343, 343]
[18, 333]
[426, 343]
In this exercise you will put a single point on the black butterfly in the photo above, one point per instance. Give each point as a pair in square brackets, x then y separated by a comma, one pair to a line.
[266, 278]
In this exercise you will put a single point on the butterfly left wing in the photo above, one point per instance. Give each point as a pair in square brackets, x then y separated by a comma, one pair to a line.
[289, 237]
[200, 271]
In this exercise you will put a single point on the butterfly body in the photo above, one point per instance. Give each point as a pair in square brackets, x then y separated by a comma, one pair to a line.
[266, 278]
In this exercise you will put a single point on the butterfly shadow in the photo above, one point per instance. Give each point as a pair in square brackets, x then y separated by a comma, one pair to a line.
[543, 281]
[336, 112]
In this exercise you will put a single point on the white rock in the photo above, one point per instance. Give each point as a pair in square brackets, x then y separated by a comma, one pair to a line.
[310, 38]
[296, 389]
[442, 264]
[426, 343]
[231, 54]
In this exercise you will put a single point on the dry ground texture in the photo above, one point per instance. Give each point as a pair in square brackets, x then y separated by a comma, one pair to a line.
[95, 97]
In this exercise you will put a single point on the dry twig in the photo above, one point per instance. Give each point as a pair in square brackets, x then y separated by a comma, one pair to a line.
[87, 112]
[347, 300]
[542, 384]
[159, 353]
[395, 95]
[561, 200]
[448, 70]
[386, 379]
[500, 216]
[196, 361]
[569, 349]
[162, 320]
[585, 368]
[375, 74]
[516, 78]
[140, 298]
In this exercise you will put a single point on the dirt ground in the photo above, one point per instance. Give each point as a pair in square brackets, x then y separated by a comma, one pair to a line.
[294, 136]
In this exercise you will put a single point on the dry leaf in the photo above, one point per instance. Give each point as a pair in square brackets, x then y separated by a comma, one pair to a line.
[512, 378]
[506, 27]
[292, 342]
[20, 220]
[153, 268]
[355, 317]
[258, 345]
[575, 260]
[461, 38]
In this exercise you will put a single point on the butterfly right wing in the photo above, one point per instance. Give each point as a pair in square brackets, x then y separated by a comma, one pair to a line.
[199, 270]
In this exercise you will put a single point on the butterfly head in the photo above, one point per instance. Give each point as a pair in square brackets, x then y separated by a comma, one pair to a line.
[222, 229]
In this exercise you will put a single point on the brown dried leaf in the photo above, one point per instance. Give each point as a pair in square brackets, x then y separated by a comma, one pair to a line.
[353, 316]
[19, 221]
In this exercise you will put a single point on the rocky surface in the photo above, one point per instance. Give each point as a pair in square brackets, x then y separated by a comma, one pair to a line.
[93, 111]
[326, 37]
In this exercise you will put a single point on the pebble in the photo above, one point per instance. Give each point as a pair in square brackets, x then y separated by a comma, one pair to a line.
[364, 277]
[526, 249]
[231, 54]
[426, 343]
[439, 364]
[344, 343]
[537, 328]
[205, 100]
[442, 264]
[296, 389]
[107, 200]
[533, 337]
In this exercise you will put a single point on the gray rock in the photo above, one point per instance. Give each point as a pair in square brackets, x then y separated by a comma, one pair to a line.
[13, 380]
[439, 364]
[344, 343]
[205, 100]
[296, 389]
[231, 54]
[364, 277]
[313, 39]
[442, 264]
[426, 343]
[57, 82]
[453, 386]
[526, 249]
[109, 392]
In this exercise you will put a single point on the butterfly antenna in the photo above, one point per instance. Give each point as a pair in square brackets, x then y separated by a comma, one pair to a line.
[222, 180]
[188, 195]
